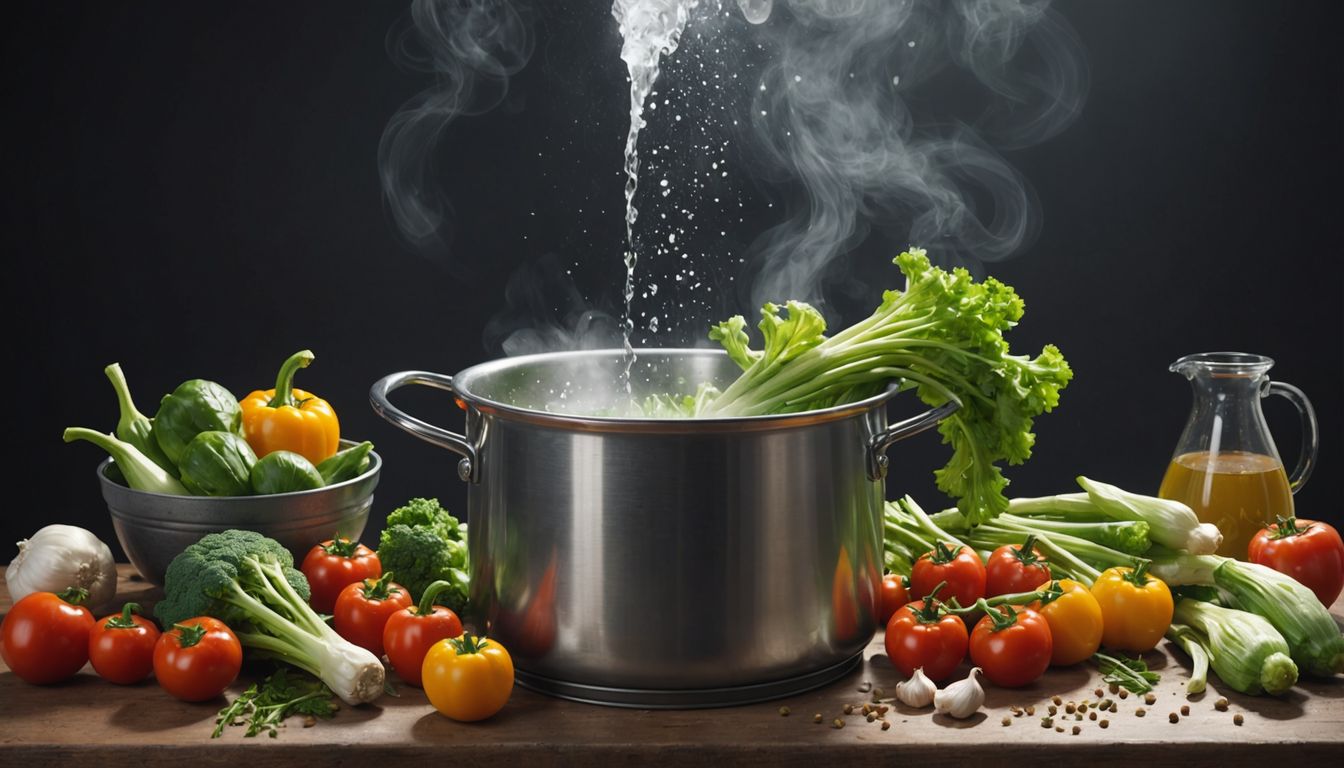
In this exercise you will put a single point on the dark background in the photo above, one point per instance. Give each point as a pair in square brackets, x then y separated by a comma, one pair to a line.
[192, 190]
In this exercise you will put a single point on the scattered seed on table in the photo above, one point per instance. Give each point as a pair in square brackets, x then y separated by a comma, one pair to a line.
[784, 711]
[1077, 730]
[1070, 708]
[1052, 709]
[1083, 707]
[872, 716]
[1056, 700]
[1078, 716]
[1220, 704]
[1097, 693]
[1173, 717]
[309, 721]
[1046, 722]
[885, 725]
[837, 723]
[1150, 698]
[1031, 710]
[1007, 721]
[882, 710]
[849, 709]
[1140, 712]
[817, 718]
[1059, 729]
[1185, 710]
[1092, 715]
[1016, 710]
[1113, 688]
[1124, 694]
[1237, 719]
[1105, 723]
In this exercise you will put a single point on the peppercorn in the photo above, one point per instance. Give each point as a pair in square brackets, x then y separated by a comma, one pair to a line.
[1150, 698]
[1105, 723]
[1220, 705]
[885, 725]
[1237, 719]
[1007, 721]
[1140, 712]
[837, 723]
[1173, 717]
[784, 711]
[1077, 730]
[1124, 694]
[1185, 710]
[1092, 715]
[817, 718]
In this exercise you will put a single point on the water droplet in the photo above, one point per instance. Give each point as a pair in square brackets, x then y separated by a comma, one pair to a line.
[896, 80]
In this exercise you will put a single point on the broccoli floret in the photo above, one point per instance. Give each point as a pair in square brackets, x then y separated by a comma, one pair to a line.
[249, 582]
[423, 543]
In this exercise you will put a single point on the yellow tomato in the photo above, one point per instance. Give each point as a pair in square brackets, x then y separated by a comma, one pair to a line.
[1075, 623]
[1135, 608]
[467, 678]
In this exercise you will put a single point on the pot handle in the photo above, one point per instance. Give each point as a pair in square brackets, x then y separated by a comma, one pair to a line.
[466, 468]
[880, 442]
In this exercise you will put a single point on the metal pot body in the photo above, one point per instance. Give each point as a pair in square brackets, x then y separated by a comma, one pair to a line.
[667, 562]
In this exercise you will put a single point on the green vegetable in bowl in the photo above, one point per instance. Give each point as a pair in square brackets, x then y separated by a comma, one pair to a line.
[217, 464]
[196, 406]
[284, 472]
[248, 581]
[347, 464]
[139, 471]
[422, 543]
[133, 426]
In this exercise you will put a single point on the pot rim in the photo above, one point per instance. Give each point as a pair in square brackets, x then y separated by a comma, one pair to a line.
[463, 379]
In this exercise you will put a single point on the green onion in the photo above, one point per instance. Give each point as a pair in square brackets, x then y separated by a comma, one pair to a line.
[1244, 649]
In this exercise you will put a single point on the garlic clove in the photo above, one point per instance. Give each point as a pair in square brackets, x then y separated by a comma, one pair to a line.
[918, 691]
[962, 698]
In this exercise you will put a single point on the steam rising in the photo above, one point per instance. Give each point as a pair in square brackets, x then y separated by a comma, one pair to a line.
[472, 48]
[831, 114]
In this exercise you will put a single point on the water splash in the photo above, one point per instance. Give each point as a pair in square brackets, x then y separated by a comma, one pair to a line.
[649, 30]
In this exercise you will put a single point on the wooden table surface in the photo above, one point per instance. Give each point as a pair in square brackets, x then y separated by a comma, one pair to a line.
[88, 721]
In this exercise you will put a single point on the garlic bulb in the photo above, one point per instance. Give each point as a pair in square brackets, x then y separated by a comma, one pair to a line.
[918, 691]
[59, 557]
[962, 698]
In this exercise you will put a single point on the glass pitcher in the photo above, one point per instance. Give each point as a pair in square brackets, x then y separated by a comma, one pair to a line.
[1226, 466]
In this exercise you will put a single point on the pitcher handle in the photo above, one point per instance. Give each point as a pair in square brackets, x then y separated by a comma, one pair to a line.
[1306, 462]
[878, 443]
[467, 467]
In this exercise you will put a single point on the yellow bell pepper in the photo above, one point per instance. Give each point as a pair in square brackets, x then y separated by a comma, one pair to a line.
[1075, 622]
[1135, 608]
[288, 419]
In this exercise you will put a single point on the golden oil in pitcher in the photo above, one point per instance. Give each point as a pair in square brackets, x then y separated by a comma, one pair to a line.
[1225, 466]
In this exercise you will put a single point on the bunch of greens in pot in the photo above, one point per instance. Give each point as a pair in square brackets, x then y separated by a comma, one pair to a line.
[421, 544]
[943, 337]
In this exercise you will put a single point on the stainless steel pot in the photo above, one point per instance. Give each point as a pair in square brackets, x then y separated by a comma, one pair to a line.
[664, 563]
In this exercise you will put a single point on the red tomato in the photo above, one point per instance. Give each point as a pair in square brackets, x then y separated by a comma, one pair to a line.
[45, 637]
[894, 595]
[363, 608]
[1309, 551]
[410, 632]
[197, 659]
[1013, 568]
[919, 635]
[1011, 645]
[335, 564]
[961, 569]
[121, 646]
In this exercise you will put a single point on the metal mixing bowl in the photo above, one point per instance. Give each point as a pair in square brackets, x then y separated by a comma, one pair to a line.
[154, 527]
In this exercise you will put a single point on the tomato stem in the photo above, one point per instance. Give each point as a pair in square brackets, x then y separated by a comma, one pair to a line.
[1026, 554]
[942, 554]
[341, 547]
[380, 588]
[1286, 528]
[189, 634]
[73, 595]
[124, 620]
[467, 644]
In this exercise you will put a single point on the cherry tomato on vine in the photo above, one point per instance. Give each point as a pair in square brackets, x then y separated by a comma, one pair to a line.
[1012, 645]
[894, 595]
[921, 634]
[45, 636]
[121, 646]
[197, 659]
[468, 678]
[412, 631]
[960, 568]
[363, 608]
[1014, 568]
[1309, 551]
[335, 564]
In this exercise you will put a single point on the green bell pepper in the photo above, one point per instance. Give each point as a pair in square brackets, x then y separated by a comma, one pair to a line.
[284, 472]
[133, 426]
[196, 406]
[217, 463]
[347, 464]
